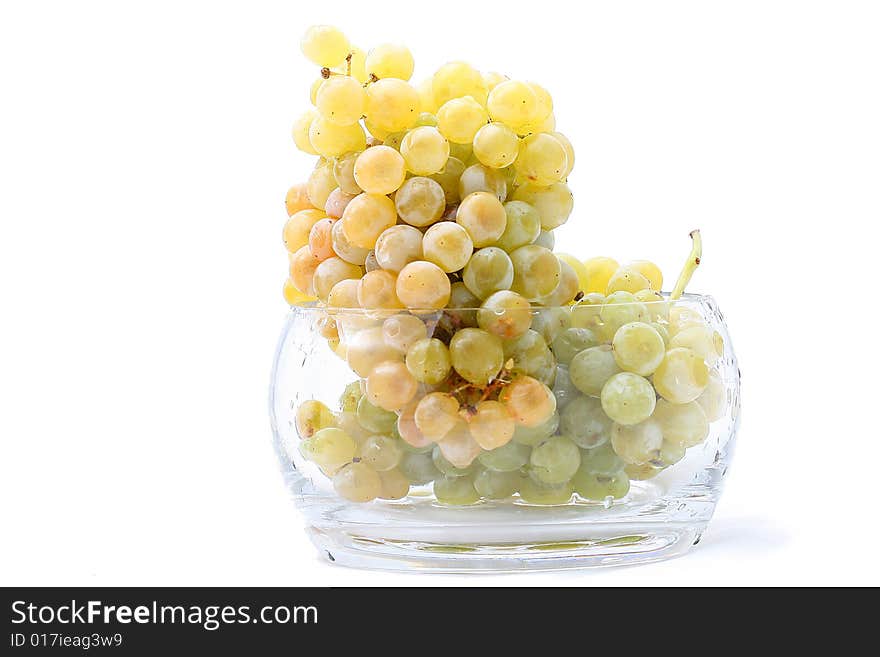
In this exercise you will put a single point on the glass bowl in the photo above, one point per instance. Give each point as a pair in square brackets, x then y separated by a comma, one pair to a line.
[575, 490]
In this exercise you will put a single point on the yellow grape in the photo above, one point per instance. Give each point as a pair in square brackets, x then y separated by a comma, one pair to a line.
[344, 294]
[599, 272]
[390, 61]
[649, 270]
[428, 361]
[496, 145]
[300, 131]
[293, 296]
[529, 401]
[321, 240]
[480, 178]
[297, 228]
[329, 272]
[377, 291]
[459, 119]
[380, 170]
[341, 100]
[424, 150]
[357, 482]
[313, 90]
[321, 182]
[423, 286]
[343, 246]
[542, 159]
[336, 203]
[420, 201]
[343, 172]
[448, 246]
[554, 203]
[682, 376]
[425, 90]
[367, 348]
[366, 216]
[402, 331]
[397, 246]
[392, 105]
[491, 425]
[332, 140]
[302, 270]
[493, 79]
[448, 178]
[514, 103]
[569, 151]
[483, 217]
[325, 45]
[455, 80]
[297, 199]
[436, 414]
[578, 267]
[391, 386]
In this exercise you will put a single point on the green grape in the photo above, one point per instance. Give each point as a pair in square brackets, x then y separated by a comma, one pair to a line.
[566, 289]
[637, 444]
[598, 487]
[331, 448]
[401, 332]
[375, 419]
[642, 472]
[398, 246]
[542, 160]
[522, 228]
[662, 330]
[554, 204]
[426, 119]
[445, 467]
[563, 388]
[341, 100]
[571, 342]
[569, 151]
[507, 458]
[457, 491]
[448, 178]
[627, 280]
[461, 305]
[389, 60]
[550, 322]
[321, 182]
[682, 376]
[532, 436]
[505, 314]
[448, 246]
[536, 271]
[591, 368]
[546, 239]
[584, 421]
[671, 453]
[381, 452]
[554, 461]
[348, 401]
[534, 492]
[420, 201]
[395, 485]
[496, 145]
[476, 355]
[682, 424]
[428, 361]
[656, 303]
[357, 482]
[638, 348]
[462, 152]
[489, 270]
[348, 422]
[343, 247]
[311, 417]
[343, 173]
[620, 308]
[628, 398]
[418, 467]
[426, 151]
[531, 356]
[702, 340]
[495, 485]
[479, 178]
[601, 460]
[714, 398]
[585, 313]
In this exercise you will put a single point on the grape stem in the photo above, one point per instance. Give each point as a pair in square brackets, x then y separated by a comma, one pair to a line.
[690, 266]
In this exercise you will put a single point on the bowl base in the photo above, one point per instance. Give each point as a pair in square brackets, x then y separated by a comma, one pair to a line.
[616, 546]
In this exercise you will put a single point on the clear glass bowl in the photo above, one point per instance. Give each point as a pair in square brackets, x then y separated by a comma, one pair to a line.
[591, 521]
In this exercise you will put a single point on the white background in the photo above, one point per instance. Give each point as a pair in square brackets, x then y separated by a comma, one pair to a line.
[144, 157]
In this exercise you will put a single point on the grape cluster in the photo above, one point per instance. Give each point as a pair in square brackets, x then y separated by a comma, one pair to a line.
[488, 365]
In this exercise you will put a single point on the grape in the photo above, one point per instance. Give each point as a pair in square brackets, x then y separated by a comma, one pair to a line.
[463, 152]
[637, 444]
[493, 79]
[367, 348]
[329, 272]
[297, 199]
[448, 246]
[620, 308]
[436, 414]
[591, 368]
[341, 100]
[546, 239]
[593, 486]
[550, 322]
[356, 67]
[713, 401]
[445, 467]
[584, 421]
[531, 436]
[569, 150]
[535, 271]
[426, 119]
[456, 491]
[508, 458]
[671, 453]
[531, 355]
[350, 397]
[401, 332]
[458, 445]
[409, 432]
[459, 119]
[457, 79]
[448, 178]
[681, 317]
[578, 267]
[601, 460]
[702, 340]
[428, 361]
[382, 453]
[494, 485]
[461, 304]
[479, 178]
[423, 286]
[320, 184]
[315, 88]
[476, 355]
[483, 216]
[505, 314]
[566, 289]
[395, 485]
[336, 203]
[682, 424]
[627, 280]
[418, 468]
[397, 246]
[293, 296]
[331, 140]
[489, 270]
[542, 160]
[522, 227]
[391, 385]
[389, 61]
[554, 461]
[394, 140]
[344, 294]
[300, 131]
[424, 150]
[554, 204]
[628, 398]
[331, 448]
[641, 472]
[298, 227]
[638, 348]
[514, 103]
[529, 401]
[420, 201]
[491, 425]
[380, 170]
[325, 45]
[563, 388]
[320, 240]
[357, 482]
[373, 417]
[377, 290]
[366, 216]
[682, 376]
[658, 307]
[534, 492]
[392, 105]
[599, 272]
[311, 417]
[349, 423]
[650, 271]
[570, 342]
[343, 173]
[302, 270]
[343, 247]
[496, 145]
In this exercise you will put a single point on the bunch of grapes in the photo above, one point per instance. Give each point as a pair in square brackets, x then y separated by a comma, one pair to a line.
[488, 365]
